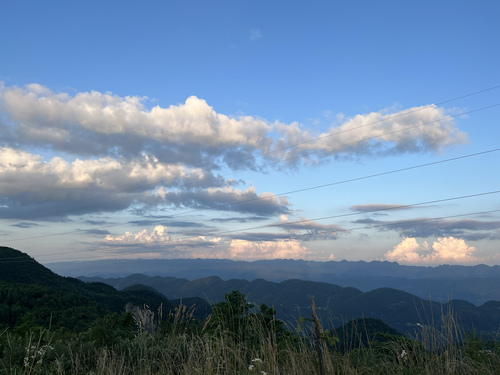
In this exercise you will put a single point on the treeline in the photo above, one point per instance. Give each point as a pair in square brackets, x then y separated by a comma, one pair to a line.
[239, 338]
[55, 325]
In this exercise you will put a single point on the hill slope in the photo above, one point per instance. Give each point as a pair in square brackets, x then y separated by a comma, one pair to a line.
[334, 304]
[476, 284]
[27, 286]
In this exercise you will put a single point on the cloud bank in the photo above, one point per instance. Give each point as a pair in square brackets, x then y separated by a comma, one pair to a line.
[65, 155]
[160, 243]
[193, 133]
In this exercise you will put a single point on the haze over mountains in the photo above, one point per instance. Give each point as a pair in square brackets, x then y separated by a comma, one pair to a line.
[335, 305]
[291, 298]
[475, 284]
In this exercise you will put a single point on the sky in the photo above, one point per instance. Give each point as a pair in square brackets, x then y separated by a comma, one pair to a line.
[251, 130]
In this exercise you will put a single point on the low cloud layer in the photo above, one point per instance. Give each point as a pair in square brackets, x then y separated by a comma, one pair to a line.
[376, 207]
[285, 249]
[309, 230]
[160, 243]
[448, 250]
[468, 229]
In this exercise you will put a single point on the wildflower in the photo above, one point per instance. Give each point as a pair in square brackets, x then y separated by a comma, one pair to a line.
[263, 373]
[257, 360]
[251, 367]
[403, 353]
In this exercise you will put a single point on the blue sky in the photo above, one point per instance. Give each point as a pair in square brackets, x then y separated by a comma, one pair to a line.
[208, 129]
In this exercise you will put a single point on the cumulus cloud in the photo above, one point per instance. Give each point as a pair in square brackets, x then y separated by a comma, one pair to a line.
[26, 179]
[161, 243]
[449, 250]
[160, 237]
[97, 124]
[25, 172]
[415, 130]
[117, 124]
[159, 234]
[155, 157]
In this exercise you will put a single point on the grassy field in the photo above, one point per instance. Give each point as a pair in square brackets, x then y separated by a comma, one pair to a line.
[236, 341]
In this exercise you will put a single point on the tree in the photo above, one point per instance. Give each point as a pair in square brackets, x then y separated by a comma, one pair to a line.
[244, 322]
[232, 314]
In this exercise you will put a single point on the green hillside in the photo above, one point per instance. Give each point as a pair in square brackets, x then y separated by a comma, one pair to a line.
[335, 305]
[29, 290]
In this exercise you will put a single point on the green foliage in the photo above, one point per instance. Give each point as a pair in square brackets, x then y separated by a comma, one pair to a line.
[232, 314]
[243, 323]
[112, 329]
[63, 326]
[52, 301]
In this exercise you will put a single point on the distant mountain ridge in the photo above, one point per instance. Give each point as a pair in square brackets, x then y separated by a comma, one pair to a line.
[476, 284]
[28, 287]
[334, 304]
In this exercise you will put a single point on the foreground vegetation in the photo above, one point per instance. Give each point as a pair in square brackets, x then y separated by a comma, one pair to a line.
[55, 325]
[240, 339]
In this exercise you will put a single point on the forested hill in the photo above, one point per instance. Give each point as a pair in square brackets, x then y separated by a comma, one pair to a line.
[28, 289]
[335, 304]
[65, 302]
[18, 267]
[476, 284]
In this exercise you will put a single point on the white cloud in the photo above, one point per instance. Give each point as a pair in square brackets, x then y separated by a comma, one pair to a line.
[416, 130]
[283, 249]
[107, 144]
[159, 234]
[445, 250]
[23, 172]
[95, 123]
[160, 242]
[42, 115]
[161, 238]
[26, 179]
[255, 34]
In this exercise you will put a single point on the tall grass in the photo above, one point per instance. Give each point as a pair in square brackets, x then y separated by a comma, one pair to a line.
[180, 346]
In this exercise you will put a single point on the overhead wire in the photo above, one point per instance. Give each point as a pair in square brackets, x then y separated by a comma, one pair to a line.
[309, 154]
[298, 222]
[276, 195]
[253, 157]
[342, 146]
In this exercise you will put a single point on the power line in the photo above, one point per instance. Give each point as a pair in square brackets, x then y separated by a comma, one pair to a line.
[312, 153]
[299, 144]
[278, 195]
[295, 157]
[291, 224]
[337, 216]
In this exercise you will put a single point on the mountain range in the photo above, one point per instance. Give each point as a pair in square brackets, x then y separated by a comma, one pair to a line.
[475, 284]
[27, 287]
[335, 305]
